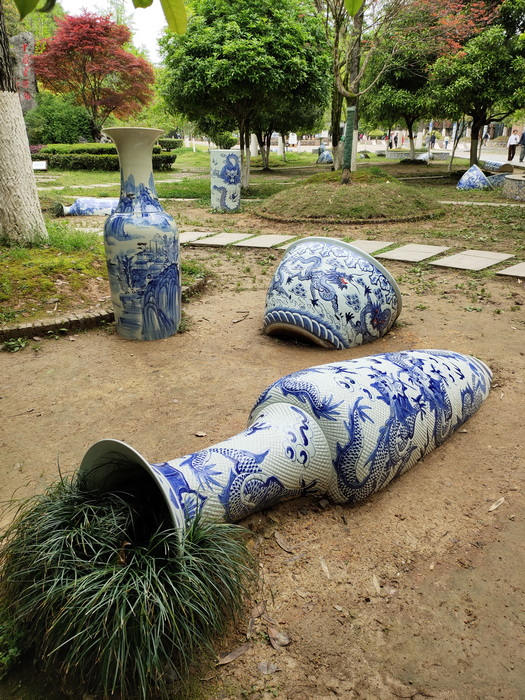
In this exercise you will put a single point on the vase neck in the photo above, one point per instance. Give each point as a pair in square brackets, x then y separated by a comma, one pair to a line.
[134, 147]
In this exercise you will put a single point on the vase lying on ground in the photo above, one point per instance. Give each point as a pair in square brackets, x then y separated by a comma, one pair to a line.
[88, 206]
[225, 180]
[343, 430]
[331, 293]
[142, 245]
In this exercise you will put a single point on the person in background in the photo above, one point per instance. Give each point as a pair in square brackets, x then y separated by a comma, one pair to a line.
[513, 141]
[522, 144]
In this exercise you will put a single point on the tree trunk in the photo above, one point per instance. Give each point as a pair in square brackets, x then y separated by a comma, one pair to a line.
[477, 125]
[410, 129]
[21, 220]
[244, 143]
[264, 141]
[335, 122]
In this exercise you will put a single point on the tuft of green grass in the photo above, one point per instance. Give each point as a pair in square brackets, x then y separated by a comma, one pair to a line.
[68, 239]
[104, 589]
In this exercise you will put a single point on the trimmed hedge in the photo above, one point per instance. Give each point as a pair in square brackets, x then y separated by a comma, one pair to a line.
[87, 161]
[169, 144]
[92, 148]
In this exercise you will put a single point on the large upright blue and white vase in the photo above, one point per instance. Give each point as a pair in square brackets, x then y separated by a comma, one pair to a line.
[142, 245]
[225, 177]
[330, 293]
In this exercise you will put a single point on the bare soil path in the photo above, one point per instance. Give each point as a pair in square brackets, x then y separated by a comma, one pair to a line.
[417, 592]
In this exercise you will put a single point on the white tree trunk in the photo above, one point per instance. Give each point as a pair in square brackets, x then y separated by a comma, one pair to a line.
[245, 168]
[21, 220]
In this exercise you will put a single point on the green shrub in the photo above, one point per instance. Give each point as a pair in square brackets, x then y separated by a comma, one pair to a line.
[169, 144]
[57, 120]
[92, 148]
[224, 139]
[89, 161]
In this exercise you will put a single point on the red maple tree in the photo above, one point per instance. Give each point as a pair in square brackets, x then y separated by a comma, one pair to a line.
[86, 58]
[451, 23]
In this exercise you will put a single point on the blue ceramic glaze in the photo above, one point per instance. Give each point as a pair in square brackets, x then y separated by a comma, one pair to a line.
[142, 246]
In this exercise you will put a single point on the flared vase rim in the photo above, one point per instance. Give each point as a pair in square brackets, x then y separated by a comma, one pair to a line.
[129, 129]
[103, 452]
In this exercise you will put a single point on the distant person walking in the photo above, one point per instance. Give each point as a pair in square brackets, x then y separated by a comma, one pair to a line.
[513, 141]
[522, 144]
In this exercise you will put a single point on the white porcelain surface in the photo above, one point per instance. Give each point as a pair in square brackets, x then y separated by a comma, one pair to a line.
[225, 176]
[91, 206]
[331, 293]
[474, 179]
[343, 430]
[142, 245]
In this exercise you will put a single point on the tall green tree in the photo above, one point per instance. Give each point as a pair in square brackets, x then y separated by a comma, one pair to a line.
[242, 56]
[484, 80]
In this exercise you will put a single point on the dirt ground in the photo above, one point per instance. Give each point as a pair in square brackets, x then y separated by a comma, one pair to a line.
[417, 592]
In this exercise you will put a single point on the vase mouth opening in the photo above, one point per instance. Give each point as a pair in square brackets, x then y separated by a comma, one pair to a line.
[111, 466]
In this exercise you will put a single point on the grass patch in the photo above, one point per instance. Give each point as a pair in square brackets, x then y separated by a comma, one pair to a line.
[199, 189]
[371, 197]
[101, 587]
[60, 274]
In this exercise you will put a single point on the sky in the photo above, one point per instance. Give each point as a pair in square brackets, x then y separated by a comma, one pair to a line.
[148, 23]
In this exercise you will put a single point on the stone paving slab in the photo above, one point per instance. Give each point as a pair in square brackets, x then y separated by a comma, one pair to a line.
[413, 252]
[482, 204]
[472, 260]
[514, 271]
[370, 246]
[264, 241]
[190, 236]
[222, 239]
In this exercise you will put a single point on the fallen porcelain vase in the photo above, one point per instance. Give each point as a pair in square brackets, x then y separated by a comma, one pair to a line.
[342, 430]
[89, 206]
[331, 293]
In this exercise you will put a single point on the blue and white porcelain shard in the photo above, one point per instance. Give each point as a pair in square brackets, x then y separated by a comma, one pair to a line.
[332, 294]
[498, 167]
[342, 430]
[91, 206]
[225, 179]
[473, 179]
[497, 180]
[324, 155]
[142, 245]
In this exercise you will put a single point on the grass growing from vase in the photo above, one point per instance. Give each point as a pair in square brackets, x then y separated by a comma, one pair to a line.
[102, 588]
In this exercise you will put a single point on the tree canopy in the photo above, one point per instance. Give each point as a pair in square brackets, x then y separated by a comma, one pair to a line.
[484, 79]
[242, 56]
[85, 58]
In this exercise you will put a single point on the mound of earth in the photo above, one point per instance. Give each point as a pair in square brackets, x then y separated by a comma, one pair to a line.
[359, 202]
